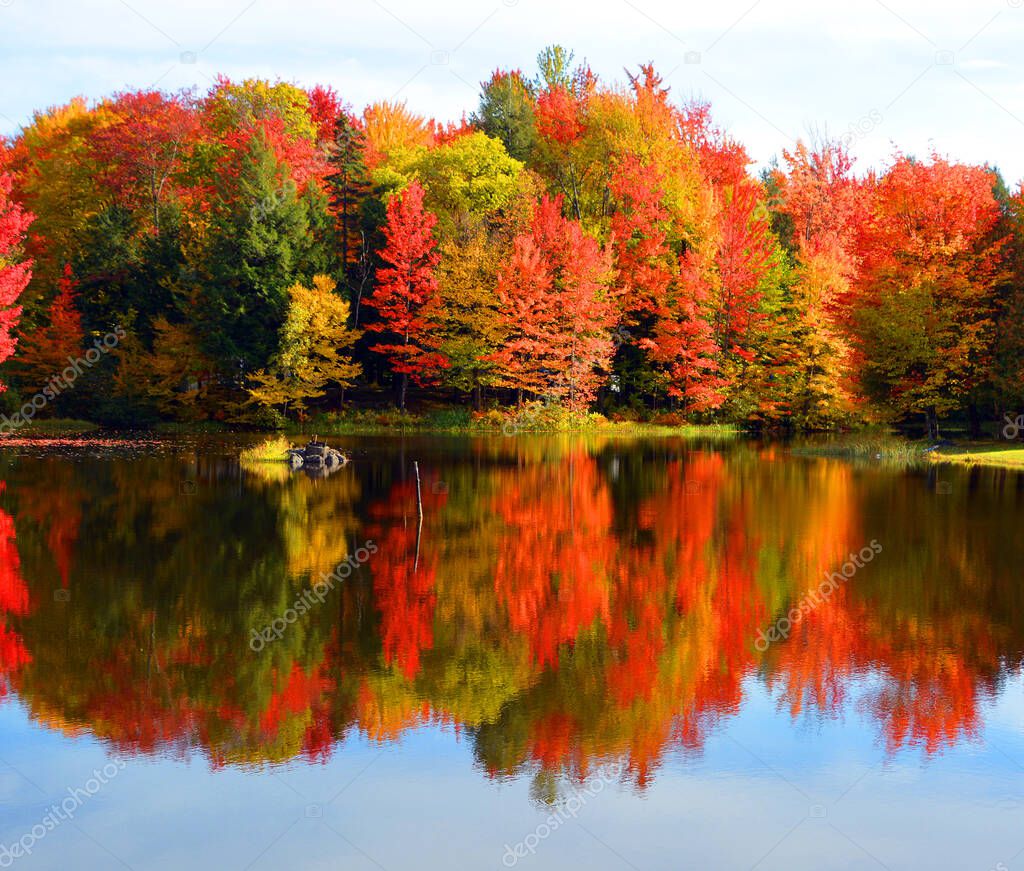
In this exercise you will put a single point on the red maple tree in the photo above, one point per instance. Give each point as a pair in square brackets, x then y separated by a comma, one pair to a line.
[143, 147]
[651, 281]
[14, 273]
[45, 350]
[684, 342]
[407, 294]
[642, 255]
[557, 308]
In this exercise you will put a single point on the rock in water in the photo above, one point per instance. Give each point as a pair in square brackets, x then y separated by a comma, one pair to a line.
[316, 456]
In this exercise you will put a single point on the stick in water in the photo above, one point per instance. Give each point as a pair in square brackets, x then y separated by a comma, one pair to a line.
[419, 507]
[419, 492]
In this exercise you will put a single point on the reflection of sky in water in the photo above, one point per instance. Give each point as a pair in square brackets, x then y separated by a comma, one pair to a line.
[819, 794]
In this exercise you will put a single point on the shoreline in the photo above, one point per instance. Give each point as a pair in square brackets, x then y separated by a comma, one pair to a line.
[893, 450]
[901, 451]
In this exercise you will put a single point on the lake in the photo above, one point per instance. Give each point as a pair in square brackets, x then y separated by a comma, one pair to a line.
[587, 652]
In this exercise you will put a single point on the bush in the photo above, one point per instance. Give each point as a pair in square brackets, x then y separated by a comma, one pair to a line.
[268, 418]
[448, 418]
[669, 418]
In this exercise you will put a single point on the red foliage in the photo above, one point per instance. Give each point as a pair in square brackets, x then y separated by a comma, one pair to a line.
[642, 256]
[554, 581]
[744, 254]
[45, 351]
[723, 160]
[559, 116]
[404, 578]
[14, 275]
[325, 107]
[304, 161]
[925, 213]
[684, 341]
[406, 296]
[143, 147]
[558, 309]
[450, 131]
[14, 602]
[824, 201]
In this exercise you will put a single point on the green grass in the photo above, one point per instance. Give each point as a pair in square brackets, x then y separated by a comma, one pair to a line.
[885, 447]
[271, 450]
[894, 450]
[534, 418]
[689, 430]
[1006, 454]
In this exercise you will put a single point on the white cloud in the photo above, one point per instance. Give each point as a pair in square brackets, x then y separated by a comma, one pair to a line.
[938, 73]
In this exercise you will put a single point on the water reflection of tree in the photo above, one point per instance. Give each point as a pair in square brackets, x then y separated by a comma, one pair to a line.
[564, 603]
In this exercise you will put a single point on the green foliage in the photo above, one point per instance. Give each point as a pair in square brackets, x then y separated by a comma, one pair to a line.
[506, 113]
[473, 175]
[233, 105]
[555, 66]
[257, 242]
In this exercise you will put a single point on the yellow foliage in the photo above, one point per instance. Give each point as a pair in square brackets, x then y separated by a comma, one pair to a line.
[310, 351]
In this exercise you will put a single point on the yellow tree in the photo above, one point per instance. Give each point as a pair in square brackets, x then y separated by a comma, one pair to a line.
[472, 329]
[56, 178]
[392, 129]
[310, 353]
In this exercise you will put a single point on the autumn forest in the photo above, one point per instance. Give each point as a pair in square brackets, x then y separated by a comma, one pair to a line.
[262, 253]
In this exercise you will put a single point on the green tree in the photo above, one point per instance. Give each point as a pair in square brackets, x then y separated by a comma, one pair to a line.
[258, 237]
[470, 179]
[349, 185]
[506, 113]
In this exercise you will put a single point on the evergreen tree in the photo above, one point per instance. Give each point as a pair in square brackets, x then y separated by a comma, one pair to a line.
[506, 113]
[258, 237]
[349, 185]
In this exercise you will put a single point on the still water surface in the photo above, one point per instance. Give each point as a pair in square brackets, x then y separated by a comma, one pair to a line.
[600, 654]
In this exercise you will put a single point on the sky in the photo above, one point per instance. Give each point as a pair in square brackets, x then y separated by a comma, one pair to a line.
[917, 75]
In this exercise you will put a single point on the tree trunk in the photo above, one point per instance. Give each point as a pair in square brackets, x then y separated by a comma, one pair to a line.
[402, 390]
[973, 421]
[932, 423]
[478, 401]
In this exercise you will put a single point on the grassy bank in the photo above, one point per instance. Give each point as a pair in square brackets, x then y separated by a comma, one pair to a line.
[1005, 454]
[898, 451]
[530, 419]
